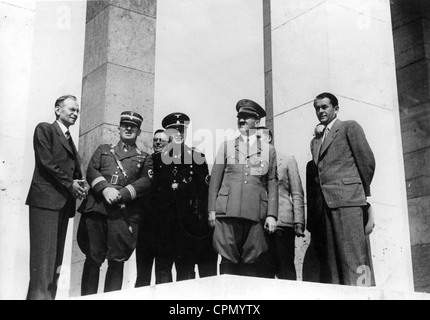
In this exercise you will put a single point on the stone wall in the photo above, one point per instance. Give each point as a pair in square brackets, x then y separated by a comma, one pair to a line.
[345, 47]
[411, 25]
[119, 74]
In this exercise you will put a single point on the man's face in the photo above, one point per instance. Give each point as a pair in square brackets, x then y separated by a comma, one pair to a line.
[177, 134]
[325, 111]
[68, 112]
[264, 135]
[128, 132]
[245, 123]
[160, 141]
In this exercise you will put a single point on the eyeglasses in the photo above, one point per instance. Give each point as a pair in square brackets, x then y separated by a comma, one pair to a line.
[160, 140]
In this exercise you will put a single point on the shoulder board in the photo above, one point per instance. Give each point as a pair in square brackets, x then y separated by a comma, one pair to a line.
[198, 151]
[105, 147]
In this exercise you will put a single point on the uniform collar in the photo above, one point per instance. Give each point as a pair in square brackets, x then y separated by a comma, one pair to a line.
[252, 138]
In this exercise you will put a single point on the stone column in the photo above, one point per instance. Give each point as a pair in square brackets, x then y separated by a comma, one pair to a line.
[346, 47]
[119, 71]
[411, 27]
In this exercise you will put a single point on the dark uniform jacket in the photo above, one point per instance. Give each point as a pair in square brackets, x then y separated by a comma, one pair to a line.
[57, 165]
[244, 182]
[178, 209]
[104, 171]
[346, 165]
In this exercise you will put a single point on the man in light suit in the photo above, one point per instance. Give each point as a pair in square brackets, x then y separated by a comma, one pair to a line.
[57, 183]
[346, 166]
[291, 216]
[243, 195]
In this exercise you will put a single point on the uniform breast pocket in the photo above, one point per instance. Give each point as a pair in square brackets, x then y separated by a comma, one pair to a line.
[222, 201]
[105, 159]
[137, 166]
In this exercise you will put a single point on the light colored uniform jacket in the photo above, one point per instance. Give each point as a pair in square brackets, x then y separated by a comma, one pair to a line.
[291, 195]
[244, 187]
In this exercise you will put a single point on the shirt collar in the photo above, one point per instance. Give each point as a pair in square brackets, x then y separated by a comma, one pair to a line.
[63, 128]
[252, 138]
[331, 124]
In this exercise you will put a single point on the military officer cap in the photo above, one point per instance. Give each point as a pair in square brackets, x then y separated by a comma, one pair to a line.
[176, 119]
[249, 107]
[131, 117]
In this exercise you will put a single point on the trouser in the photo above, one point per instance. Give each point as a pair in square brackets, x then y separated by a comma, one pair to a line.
[279, 259]
[101, 238]
[48, 231]
[241, 243]
[342, 248]
[145, 258]
[185, 268]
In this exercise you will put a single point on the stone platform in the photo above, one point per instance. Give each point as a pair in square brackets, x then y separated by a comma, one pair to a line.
[228, 287]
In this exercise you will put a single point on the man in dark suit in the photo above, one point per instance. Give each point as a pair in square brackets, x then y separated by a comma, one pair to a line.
[243, 195]
[146, 249]
[120, 179]
[57, 183]
[346, 166]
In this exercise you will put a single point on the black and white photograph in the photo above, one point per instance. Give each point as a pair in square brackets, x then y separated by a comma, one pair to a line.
[214, 150]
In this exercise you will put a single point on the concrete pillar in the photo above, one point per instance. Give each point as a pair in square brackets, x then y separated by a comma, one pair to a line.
[119, 71]
[411, 25]
[346, 47]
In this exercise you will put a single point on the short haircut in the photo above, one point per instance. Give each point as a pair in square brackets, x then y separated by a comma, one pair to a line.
[268, 130]
[329, 96]
[159, 131]
[60, 100]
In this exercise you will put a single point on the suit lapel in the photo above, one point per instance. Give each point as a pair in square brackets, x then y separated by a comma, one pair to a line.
[330, 137]
[62, 138]
[316, 148]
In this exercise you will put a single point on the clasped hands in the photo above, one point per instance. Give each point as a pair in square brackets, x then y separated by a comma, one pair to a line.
[78, 189]
[112, 196]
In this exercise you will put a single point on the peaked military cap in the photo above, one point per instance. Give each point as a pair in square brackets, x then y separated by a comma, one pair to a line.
[175, 119]
[250, 107]
[131, 117]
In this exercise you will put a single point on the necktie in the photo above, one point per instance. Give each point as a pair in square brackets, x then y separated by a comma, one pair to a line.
[326, 132]
[126, 147]
[67, 134]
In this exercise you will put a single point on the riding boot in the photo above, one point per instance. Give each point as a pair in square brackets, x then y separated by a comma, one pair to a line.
[114, 276]
[90, 278]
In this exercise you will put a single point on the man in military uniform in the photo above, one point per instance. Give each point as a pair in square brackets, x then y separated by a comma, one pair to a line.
[243, 195]
[119, 177]
[179, 207]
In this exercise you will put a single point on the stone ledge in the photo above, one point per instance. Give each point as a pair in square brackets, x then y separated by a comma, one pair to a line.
[228, 287]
